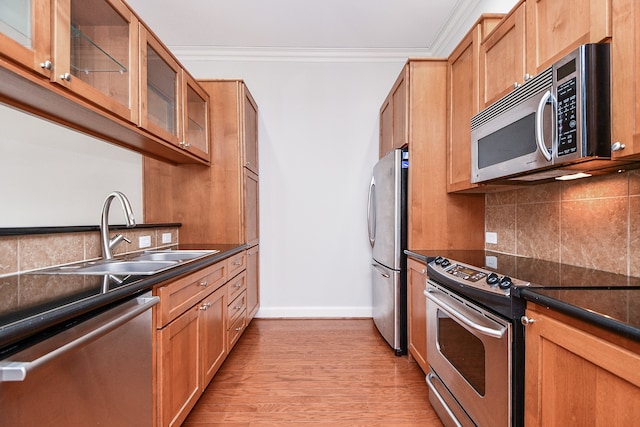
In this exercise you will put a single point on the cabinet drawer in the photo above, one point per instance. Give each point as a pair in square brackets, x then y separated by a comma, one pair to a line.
[236, 264]
[236, 286]
[178, 296]
[237, 307]
[235, 330]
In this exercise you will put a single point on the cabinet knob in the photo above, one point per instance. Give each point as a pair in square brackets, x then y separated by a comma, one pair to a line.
[46, 65]
[526, 321]
[236, 263]
[184, 144]
[66, 77]
[238, 329]
[617, 146]
[237, 307]
[204, 283]
[247, 163]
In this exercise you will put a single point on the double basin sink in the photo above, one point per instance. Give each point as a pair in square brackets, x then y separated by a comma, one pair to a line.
[141, 264]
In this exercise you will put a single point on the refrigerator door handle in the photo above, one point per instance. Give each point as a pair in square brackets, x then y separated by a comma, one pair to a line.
[381, 271]
[371, 212]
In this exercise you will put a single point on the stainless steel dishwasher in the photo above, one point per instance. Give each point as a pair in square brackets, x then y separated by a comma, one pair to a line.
[95, 373]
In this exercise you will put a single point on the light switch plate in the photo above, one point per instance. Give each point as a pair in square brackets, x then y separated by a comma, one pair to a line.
[491, 237]
[166, 237]
[144, 241]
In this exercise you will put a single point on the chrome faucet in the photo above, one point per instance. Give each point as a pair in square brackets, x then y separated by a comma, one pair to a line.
[107, 243]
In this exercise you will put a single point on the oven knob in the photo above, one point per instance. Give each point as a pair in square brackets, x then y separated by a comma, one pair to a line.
[492, 279]
[438, 260]
[445, 263]
[505, 282]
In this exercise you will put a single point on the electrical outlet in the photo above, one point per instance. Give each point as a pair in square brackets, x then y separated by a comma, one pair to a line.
[491, 261]
[144, 241]
[491, 237]
[166, 237]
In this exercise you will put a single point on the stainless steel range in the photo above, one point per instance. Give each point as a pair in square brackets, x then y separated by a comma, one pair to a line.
[475, 345]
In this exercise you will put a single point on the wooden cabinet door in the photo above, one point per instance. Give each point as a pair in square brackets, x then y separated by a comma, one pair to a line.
[386, 127]
[195, 117]
[502, 58]
[253, 281]
[251, 212]
[179, 378]
[463, 102]
[555, 28]
[576, 378]
[417, 283]
[96, 53]
[250, 130]
[400, 105]
[213, 310]
[160, 92]
[625, 84]
[25, 35]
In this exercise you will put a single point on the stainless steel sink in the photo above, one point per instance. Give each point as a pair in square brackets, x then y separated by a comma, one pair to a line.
[142, 264]
[115, 267]
[172, 255]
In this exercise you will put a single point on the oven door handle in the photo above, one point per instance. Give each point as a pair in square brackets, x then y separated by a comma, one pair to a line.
[438, 396]
[458, 315]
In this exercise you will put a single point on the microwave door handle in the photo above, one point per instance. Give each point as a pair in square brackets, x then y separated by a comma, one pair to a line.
[542, 147]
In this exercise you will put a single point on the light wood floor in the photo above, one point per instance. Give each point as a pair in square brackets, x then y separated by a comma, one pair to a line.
[314, 372]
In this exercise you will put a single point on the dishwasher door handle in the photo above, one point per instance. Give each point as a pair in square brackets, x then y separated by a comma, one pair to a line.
[17, 370]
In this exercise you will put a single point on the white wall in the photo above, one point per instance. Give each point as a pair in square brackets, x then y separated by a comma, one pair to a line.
[53, 176]
[318, 136]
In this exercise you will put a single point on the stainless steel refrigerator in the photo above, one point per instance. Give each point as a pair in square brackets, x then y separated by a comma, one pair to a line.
[387, 224]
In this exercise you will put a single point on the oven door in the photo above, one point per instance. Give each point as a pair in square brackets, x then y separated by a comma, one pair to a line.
[469, 351]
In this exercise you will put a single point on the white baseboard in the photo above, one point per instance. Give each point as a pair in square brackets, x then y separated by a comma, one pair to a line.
[313, 312]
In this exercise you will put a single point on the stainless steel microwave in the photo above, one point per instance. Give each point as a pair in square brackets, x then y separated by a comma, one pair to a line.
[555, 124]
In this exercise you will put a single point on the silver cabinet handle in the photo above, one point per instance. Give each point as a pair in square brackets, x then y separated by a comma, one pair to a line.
[66, 77]
[458, 315]
[438, 396]
[17, 371]
[617, 146]
[526, 321]
[46, 65]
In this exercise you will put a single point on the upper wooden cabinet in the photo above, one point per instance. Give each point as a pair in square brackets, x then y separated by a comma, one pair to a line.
[463, 102]
[555, 28]
[249, 132]
[503, 57]
[394, 117]
[94, 53]
[625, 77]
[435, 218]
[93, 66]
[25, 34]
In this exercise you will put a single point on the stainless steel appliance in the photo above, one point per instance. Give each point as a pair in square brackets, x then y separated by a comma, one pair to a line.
[475, 346]
[387, 218]
[556, 124]
[92, 370]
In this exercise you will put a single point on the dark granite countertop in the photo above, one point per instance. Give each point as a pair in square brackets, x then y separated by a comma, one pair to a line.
[608, 300]
[30, 303]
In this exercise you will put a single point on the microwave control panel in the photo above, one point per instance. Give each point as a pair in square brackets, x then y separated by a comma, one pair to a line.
[567, 118]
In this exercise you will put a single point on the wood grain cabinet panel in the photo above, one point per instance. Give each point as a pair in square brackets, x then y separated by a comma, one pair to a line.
[417, 305]
[503, 57]
[555, 28]
[253, 281]
[577, 374]
[394, 116]
[463, 102]
[436, 219]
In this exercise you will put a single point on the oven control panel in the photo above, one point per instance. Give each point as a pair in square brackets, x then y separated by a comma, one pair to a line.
[475, 277]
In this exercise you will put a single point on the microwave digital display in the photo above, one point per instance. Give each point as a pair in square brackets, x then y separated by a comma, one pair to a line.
[566, 69]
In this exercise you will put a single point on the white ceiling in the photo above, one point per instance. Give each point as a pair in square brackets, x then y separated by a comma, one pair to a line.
[419, 25]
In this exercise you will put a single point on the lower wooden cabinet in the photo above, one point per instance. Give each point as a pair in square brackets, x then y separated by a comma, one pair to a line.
[417, 307]
[199, 319]
[253, 281]
[579, 375]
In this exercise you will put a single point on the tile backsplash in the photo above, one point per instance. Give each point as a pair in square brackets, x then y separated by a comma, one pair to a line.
[593, 222]
[33, 251]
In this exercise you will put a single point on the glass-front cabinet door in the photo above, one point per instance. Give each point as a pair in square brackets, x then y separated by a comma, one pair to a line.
[196, 117]
[25, 33]
[160, 84]
[95, 53]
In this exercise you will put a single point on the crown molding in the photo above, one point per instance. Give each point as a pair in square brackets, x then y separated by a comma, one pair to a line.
[449, 33]
[264, 54]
